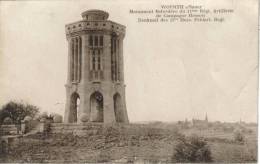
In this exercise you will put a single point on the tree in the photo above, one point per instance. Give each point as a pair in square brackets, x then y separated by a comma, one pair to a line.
[17, 111]
[192, 149]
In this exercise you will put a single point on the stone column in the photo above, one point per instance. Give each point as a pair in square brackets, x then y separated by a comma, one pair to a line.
[81, 104]
[101, 59]
[79, 59]
[72, 59]
[84, 67]
[109, 113]
[126, 120]
[121, 59]
[96, 60]
[117, 60]
[90, 59]
[69, 60]
[84, 100]
[114, 59]
[75, 58]
[67, 105]
[107, 58]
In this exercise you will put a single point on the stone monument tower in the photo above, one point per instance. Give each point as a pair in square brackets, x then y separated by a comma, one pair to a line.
[95, 88]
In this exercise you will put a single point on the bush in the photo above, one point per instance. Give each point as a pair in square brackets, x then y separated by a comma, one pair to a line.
[27, 118]
[104, 157]
[42, 120]
[57, 118]
[84, 118]
[192, 149]
[44, 115]
[239, 136]
[7, 121]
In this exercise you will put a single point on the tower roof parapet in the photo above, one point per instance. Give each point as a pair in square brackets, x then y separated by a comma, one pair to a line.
[96, 20]
[93, 15]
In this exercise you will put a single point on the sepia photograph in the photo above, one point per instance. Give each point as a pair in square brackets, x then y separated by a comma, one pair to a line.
[138, 81]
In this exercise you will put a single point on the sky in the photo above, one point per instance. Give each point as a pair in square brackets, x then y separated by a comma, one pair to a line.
[173, 71]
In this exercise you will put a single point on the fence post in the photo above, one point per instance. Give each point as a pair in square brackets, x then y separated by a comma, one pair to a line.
[23, 127]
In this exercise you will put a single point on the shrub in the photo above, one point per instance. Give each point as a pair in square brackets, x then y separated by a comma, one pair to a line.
[27, 118]
[239, 136]
[42, 119]
[104, 157]
[50, 117]
[228, 128]
[57, 118]
[7, 121]
[43, 115]
[84, 118]
[192, 149]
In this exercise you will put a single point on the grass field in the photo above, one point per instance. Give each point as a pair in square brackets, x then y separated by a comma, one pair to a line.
[136, 144]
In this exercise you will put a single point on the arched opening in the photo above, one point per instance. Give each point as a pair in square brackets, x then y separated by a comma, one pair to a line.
[96, 107]
[118, 108]
[74, 107]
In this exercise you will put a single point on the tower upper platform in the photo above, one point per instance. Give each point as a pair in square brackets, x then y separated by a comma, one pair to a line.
[94, 20]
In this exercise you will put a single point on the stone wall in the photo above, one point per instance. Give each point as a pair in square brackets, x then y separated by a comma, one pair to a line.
[23, 128]
[76, 129]
[91, 128]
[9, 129]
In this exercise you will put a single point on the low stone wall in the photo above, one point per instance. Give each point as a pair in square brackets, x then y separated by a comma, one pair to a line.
[9, 129]
[23, 128]
[76, 129]
[91, 128]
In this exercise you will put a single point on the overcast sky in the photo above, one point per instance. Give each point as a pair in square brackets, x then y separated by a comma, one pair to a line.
[173, 71]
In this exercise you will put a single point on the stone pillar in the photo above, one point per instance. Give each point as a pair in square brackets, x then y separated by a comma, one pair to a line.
[71, 55]
[79, 59]
[114, 59]
[69, 60]
[96, 60]
[42, 127]
[23, 127]
[109, 113]
[107, 58]
[90, 60]
[75, 59]
[72, 59]
[126, 120]
[67, 105]
[117, 60]
[84, 102]
[101, 59]
[121, 60]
